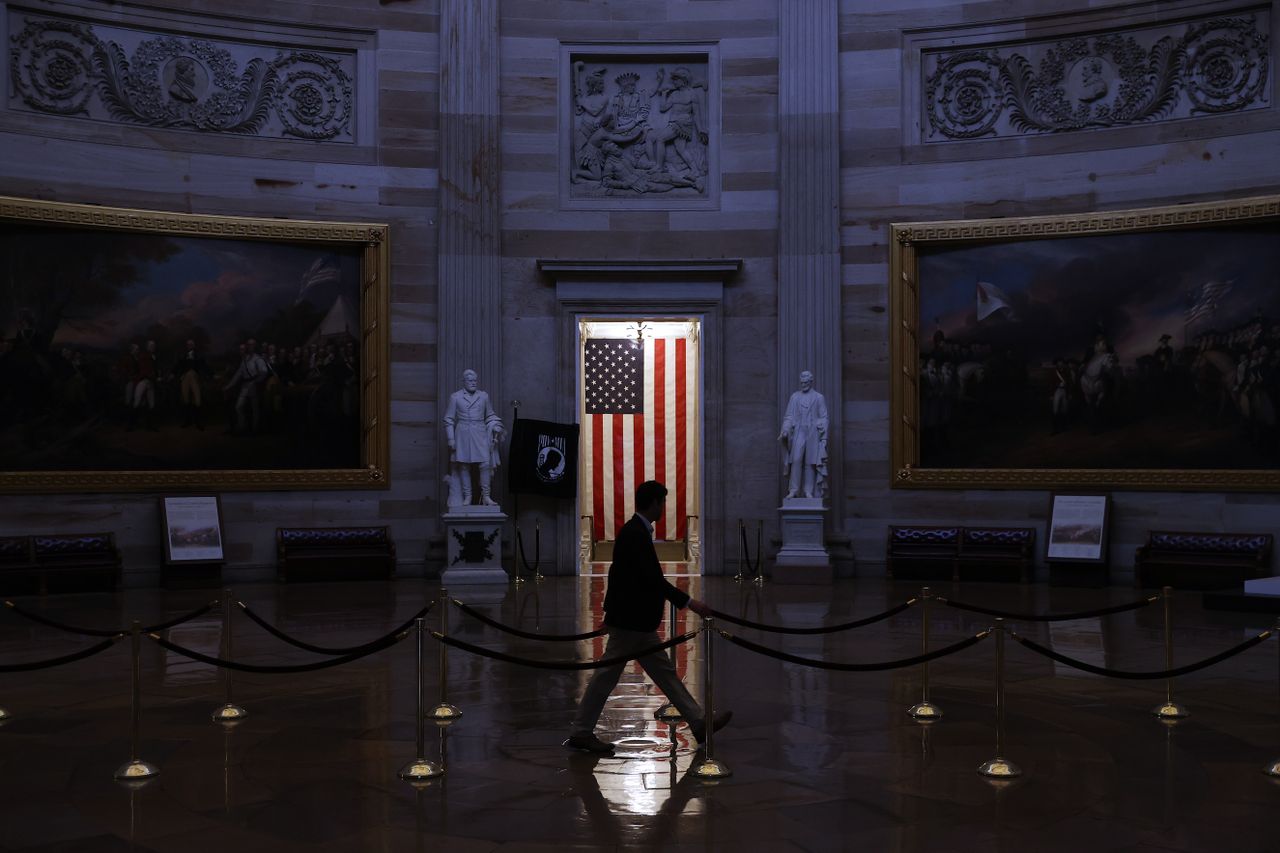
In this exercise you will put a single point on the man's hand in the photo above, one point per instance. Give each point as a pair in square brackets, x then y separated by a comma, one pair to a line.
[699, 607]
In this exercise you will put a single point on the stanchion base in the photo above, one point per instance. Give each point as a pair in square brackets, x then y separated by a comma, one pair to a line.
[229, 713]
[136, 770]
[668, 714]
[925, 712]
[999, 768]
[444, 711]
[5, 716]
[710, 769]
[1170, 711]
[1273, 769]
[420, 770]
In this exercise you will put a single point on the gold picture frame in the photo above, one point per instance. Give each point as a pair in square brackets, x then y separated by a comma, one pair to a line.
[1201, 274]
[104, 300]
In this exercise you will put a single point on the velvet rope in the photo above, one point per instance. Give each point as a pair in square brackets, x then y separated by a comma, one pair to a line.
[1163, 673]
[71, 658]
[821, 629]
[568, 665]
[1048, 617]
[529, 635]
[746, 554]
[328, 650]
[102, 632]
[537, 552]
[372, 648]
[857, 667]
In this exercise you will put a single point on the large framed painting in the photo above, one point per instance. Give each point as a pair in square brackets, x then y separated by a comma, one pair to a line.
[142, 350]
[1133, 349]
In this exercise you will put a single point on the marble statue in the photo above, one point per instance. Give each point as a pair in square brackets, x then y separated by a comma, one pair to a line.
[473, 431]
[804, 442]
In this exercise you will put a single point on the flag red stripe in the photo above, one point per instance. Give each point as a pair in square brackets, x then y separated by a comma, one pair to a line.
[619, 477]
[597, 475]
[681, 446]
[660, 423]
[638, 450]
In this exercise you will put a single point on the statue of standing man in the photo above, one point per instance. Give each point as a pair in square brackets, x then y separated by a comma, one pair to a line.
[804, 442]
[473, 430]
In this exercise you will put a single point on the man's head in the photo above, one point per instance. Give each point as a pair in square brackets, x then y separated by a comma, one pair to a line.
[470, 380]
[651, 496]
[806, 380]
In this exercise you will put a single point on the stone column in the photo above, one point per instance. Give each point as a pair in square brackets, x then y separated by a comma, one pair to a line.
[469, 282]
[809, 217]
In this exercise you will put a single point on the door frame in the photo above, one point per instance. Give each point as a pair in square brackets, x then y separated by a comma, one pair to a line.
[693, 288]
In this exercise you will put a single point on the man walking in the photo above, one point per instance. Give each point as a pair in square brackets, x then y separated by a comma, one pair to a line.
[633, 611]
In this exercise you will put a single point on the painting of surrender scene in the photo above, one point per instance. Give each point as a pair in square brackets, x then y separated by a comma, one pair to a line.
[132, 350]
[1151, 350]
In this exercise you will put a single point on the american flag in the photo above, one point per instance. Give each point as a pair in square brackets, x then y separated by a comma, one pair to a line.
[1206, 301]
[639, 419]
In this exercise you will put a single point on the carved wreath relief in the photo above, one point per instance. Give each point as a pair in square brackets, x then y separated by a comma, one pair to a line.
[1179, 71]
[60, 66]
[639, 129]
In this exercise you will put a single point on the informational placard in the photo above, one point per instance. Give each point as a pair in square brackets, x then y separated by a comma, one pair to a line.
[192, 529]
[1078, 528]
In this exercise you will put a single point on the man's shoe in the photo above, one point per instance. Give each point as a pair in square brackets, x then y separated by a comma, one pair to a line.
[699, 729]
[589, 743]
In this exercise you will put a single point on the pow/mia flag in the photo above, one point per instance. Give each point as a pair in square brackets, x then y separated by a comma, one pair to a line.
[543, 459]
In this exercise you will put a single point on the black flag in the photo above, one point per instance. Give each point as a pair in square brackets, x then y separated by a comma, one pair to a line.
[543, 459]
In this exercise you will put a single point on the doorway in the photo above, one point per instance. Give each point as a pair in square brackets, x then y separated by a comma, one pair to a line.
[640, 381]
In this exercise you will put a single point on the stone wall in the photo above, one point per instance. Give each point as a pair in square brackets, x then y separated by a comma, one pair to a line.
[382, 168]
[893, 171]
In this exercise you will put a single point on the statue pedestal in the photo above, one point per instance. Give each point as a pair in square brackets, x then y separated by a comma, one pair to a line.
[803, 557]
[473, 542]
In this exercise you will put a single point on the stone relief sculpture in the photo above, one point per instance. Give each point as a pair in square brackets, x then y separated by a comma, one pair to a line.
[68, 68]
[1181, 70]
[472, 430]
[804, 442]
[631, 140]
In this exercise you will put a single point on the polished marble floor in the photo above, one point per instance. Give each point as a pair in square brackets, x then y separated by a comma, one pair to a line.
[821, 760]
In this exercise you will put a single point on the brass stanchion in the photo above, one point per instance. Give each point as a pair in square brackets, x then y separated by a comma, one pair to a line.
[135, 769]
[443, 710]
[742, 551]
[669, 713]
[999, 767]
[537, 550]
[229, 713]
[421, 769]
[1169, 709]
[759, 579]
[1273, 769]
[709, 768]
[925, 711]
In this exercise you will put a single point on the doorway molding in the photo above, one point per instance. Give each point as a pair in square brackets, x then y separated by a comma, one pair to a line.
[626, 288]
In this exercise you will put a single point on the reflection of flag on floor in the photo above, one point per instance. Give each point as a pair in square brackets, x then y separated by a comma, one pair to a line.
[991, 299]
[638, 423]
[1206, 301]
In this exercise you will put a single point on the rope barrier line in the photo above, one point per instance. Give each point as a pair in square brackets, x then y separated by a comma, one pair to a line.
[529, 635]
[328, 650]
[373, 648]
[1050, 617]
[59, 661]
[822, 629]
[858, 667]
[566, 665]
[104, 632]
[1163, 673]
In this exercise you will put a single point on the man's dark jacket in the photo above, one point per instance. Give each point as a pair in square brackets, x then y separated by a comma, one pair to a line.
[637, 587]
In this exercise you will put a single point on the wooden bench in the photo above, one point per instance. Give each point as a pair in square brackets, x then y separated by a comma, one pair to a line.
[923, 552]
[17, 570]
[956, 553]
[334, 553]
[76, 562]
[1201, 560]
[996, 553]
